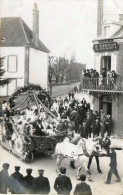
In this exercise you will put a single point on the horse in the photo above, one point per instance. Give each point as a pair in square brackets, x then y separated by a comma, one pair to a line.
[80, 152]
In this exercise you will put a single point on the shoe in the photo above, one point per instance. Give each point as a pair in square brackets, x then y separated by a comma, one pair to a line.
[107, 182]
[99, 171]
[118, 180]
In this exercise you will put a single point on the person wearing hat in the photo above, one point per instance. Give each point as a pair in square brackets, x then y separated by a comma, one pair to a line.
[82, 188]
[41, 184]
[16, 179]
[96, 127]
[96, 157]
[63, 183]
[4, 179]
[28, 181]
[113, 166]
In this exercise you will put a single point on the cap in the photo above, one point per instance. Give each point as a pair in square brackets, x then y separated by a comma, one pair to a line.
[41, 171]
[28, 170]
[17, 167]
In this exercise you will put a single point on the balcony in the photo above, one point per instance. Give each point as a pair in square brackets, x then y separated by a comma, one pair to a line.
[110, 85]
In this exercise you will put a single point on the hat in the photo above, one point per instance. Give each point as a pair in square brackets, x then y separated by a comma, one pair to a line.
[17, 167]
[29, 170]
[82, 177]
[5, 165]
[41, 171]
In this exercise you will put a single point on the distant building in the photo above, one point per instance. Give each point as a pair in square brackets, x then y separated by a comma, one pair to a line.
[108, 48]
[26, 57]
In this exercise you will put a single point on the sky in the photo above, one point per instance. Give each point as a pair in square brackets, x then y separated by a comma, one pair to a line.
[67, 27]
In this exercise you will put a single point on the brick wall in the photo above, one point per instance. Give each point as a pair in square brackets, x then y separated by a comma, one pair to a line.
[119, 68]
[117, 115]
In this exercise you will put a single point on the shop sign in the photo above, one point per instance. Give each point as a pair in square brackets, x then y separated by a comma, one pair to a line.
[105, 47]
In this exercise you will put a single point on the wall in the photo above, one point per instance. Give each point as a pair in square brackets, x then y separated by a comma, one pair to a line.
[120, 59]
[20, 53]
[117, 115]
[96, 102]
[38, 67]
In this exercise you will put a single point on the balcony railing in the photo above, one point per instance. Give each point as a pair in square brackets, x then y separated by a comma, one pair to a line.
[102, 84]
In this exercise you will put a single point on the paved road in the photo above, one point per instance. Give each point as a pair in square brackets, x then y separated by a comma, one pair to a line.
[60, 90]
[48, 164]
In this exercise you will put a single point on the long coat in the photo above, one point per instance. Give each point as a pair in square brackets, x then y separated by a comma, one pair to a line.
[63, 184]
[41, 185]
[82, 189]
[4, 181]
[16, 183]
[28, 184]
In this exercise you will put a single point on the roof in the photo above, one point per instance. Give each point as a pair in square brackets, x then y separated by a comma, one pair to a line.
[15, 32]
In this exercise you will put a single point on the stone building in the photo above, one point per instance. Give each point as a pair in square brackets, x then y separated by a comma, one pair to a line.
[26, 57]
[107, 92]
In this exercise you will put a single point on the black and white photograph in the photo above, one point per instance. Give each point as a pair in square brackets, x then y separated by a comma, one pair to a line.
[61, 97]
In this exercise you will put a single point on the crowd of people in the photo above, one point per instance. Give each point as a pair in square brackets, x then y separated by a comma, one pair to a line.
[92, 78]
[74, 116]
[82, 119]
[16, 183]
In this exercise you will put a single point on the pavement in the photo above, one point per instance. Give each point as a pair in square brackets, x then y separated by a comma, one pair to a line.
[49, 165]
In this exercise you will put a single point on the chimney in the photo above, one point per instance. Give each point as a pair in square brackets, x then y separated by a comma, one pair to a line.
[35, 24]
[99, 17]
[120, 17]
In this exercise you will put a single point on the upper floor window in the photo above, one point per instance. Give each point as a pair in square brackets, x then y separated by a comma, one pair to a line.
[106, 31]
[12, 63]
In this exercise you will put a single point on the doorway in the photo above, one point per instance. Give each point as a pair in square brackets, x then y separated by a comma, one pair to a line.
[106, 104]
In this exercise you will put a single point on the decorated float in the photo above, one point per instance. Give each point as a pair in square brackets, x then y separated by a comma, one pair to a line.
[29, 126]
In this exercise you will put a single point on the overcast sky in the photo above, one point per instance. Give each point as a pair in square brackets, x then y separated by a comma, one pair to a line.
[66, 26]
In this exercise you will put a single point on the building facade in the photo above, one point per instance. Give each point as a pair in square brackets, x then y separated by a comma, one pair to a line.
[26, 57]
[107, 90]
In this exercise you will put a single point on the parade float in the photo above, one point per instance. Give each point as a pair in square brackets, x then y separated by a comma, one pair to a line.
[29, 127]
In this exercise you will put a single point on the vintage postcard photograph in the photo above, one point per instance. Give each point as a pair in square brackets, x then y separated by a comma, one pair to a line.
[61, 97]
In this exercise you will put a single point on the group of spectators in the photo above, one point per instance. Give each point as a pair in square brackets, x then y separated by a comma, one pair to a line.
[82, 119]
[16, 183]
[92, 79]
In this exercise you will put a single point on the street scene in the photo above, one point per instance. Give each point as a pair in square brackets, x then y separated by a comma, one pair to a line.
[61, 97]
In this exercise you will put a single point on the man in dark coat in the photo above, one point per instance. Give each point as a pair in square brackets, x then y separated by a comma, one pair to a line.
[84, 130]
[113, 167]
[96, 128]
[41, 184]
[16, 182]
[4, 179]
[61, 109]
[82, 188]
[28, 182]
[97, 160]
[63, 183]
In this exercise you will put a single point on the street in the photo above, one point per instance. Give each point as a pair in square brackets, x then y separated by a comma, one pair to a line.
[48, 164]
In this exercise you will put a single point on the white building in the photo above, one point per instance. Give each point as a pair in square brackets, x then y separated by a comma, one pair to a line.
[26, 57]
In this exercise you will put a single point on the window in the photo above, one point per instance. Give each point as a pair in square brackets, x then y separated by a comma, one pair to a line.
[12, 63]
[106, 31]
[105, 64]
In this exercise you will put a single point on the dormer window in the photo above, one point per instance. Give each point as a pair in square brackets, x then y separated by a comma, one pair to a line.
[106, 31]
